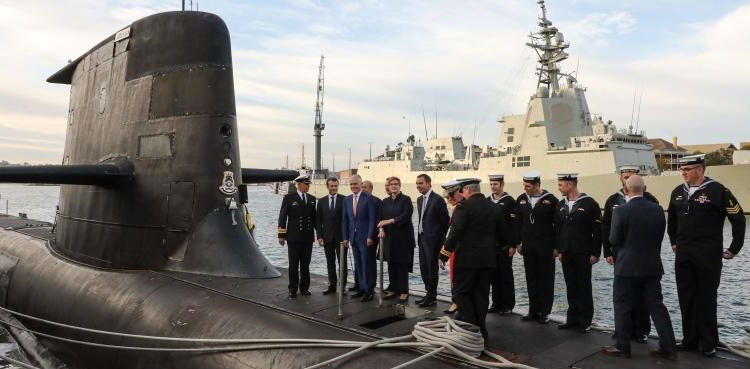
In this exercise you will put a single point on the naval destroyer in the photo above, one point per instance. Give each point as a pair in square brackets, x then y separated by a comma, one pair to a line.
[557, 133]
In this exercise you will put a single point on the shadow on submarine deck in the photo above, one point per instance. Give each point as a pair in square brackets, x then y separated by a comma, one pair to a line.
[541, 346]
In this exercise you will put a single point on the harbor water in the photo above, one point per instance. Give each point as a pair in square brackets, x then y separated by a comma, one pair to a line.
[39, 202]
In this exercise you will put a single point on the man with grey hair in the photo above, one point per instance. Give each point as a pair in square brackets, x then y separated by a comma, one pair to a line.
[636, 235]
[359, 231]
[477, 227]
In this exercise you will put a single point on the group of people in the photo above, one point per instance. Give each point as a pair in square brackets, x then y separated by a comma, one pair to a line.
[483, 234]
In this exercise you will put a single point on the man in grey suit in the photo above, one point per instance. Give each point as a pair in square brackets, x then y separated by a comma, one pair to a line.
[636, 235]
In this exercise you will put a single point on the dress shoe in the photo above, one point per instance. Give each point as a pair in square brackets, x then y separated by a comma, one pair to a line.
[686, 347]
[389, 295]
[427, 303]
[353, 288]
[585, 329]
[329, 291]
[365, 298]
[566, 326]
[504, 311]
[666, 355]
[419, 301]
[528, 318]
[305, 293]
[357, 295]
[709, 353]
[641, 339]
[403, 298]
[614, 351]
[544, 319]
[493, 309]
[292, 294]
[451, 309]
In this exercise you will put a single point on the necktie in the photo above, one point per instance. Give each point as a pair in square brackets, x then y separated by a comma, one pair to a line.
[356, 197]
[332, 203]
[421, 214]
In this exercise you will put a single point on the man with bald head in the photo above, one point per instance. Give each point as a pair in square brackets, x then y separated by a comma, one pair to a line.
[636, 235]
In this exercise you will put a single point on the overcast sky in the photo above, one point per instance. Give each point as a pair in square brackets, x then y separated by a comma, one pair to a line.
[387, 61]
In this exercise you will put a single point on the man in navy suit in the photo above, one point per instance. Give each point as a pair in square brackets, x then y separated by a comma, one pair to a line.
[359, 230]
[636, 235]
[328, 227]
[431, 229]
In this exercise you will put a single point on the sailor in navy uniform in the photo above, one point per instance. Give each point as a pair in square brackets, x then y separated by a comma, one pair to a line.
[536, 232]
[297, 228]
[579, 240]
[503, 287]
[640, 316]
[695, 225]
[473, 236]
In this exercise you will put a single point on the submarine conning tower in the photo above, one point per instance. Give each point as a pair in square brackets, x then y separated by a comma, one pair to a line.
[156, 100]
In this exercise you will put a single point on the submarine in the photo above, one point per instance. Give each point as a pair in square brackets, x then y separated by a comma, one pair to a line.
[149, 263]
[149, 245]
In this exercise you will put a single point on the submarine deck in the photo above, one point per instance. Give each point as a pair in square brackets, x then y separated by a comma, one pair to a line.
[533, 344]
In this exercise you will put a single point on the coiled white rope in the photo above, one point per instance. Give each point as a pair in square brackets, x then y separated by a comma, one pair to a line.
[742, 349]
[460, 339]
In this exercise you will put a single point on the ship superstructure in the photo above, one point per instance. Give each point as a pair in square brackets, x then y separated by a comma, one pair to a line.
[557, 132]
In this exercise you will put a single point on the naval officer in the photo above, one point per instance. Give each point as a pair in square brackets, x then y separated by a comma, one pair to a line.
[473, 237]
[696, 214]
[503, 287]
[536, 230]
[297, 229]
[641, 322]
[579, 240]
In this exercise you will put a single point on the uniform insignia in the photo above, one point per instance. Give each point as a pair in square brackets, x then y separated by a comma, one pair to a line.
[735, 209]
[294, 203]
[513, 215]
[546, 202]
[445, 252]
[581, 209]
[703, 198]
[615, 205]
[227, 184]
[522, 202]
[678, 198]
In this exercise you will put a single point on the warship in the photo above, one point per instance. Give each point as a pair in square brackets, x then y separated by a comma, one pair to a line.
[557, 133]
[149, 263]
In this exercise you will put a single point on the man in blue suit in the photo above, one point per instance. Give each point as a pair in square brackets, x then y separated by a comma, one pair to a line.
[636, 235]
[432, 226]
[359, 231]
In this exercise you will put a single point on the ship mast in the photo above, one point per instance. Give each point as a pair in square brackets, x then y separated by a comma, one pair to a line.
[549, 46]
[319, 126]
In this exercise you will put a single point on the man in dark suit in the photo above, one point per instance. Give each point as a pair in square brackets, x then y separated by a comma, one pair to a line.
[359, 230]
[641, 321]
[328, 221]
[297, 227]
[636, 235]
[477, 227]
[431, 229]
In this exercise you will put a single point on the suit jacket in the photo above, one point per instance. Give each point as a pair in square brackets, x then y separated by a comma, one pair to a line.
[636, 236]
[477, 225]
[297, 219]
[617, 199]
[434, 220]
[328, 224]
[579, 230]
[358, 229]
[399, 236]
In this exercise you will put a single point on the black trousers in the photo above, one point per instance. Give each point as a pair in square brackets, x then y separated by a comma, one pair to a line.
[698, 276]
[428, 266]
[299, 265]
[577, 273]
[398, 277]
[627, 291]
[639, 316]
[472, 295]
[503, 286]
[333, 252]
[540, 282]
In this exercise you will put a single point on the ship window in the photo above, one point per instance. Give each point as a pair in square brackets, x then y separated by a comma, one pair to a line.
[511, 131]
[510, 138]
[521, 161]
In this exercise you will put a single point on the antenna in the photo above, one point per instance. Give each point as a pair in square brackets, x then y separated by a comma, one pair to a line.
[632, 112]
[318, 127]
[424, 120]
[638, 119]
